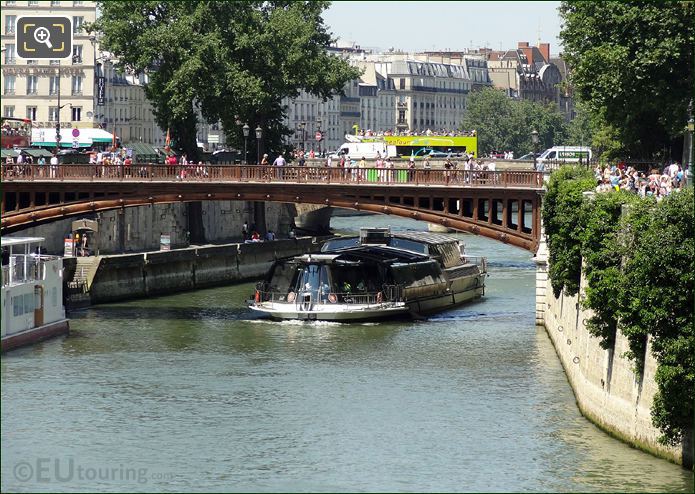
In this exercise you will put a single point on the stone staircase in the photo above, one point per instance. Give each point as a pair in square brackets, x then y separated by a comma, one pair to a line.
[78, 287]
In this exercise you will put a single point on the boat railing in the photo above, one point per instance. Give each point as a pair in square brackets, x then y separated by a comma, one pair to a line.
[388, 294]
[25, 269]
[479, 261]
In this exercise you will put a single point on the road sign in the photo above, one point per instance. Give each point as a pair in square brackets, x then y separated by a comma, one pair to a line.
[75, 132]
[318, 135]
[43, 37]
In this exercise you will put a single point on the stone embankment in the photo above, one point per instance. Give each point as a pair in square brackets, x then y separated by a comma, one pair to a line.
[607, 390]
[129, 276]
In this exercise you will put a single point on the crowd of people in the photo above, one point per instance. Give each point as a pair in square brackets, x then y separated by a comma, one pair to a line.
[655, 183]
[11, 131]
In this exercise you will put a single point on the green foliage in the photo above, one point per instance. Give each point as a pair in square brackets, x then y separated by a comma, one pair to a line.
[639, 280]
[227, 58]
[602, 258]
[562, 218]
[504, 124]
[657, 300]
[632, 65]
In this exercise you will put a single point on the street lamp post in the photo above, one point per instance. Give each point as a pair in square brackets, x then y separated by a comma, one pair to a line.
[259, 136]
[302, 127]
[318, 130]
[245, 129]
[534, 140]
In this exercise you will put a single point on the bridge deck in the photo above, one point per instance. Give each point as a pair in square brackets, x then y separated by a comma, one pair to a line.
[502, 205]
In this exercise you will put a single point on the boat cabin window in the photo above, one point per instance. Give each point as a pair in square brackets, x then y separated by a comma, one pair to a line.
[356, 279]
[402, 243]
[283, 277]
[340, 243]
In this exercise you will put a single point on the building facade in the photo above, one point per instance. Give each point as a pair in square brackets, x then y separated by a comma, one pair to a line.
[32, 88]
[526, 73]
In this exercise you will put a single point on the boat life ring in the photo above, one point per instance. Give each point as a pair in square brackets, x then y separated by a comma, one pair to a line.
[379, 297]
[257, 296]
[291, 296]
[332, 298]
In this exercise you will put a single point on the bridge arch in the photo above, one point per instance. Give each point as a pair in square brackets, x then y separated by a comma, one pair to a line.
[490, 207]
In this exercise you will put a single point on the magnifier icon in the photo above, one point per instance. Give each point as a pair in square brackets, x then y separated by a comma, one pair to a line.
[43, 35]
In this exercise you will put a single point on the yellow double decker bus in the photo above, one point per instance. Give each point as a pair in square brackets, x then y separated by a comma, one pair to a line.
[435, 146]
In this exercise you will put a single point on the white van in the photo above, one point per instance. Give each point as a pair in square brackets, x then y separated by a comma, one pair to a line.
[368, 150]
[566, 154]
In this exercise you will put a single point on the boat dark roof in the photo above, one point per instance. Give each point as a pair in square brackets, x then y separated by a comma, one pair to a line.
[377, 253]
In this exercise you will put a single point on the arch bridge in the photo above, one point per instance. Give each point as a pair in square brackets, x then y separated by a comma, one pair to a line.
[502, 205]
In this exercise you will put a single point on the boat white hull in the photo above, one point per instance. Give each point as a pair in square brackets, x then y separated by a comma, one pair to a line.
[350, 313]
[335, 312]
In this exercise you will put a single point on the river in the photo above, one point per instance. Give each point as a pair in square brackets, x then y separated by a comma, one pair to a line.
[192, 393]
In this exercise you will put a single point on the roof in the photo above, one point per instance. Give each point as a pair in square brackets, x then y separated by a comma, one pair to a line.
[9, 153]
[425, 237]
[8, 241]
[142, 150]
[37, 153]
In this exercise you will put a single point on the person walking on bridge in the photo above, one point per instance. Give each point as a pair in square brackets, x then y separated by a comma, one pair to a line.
[280, 163]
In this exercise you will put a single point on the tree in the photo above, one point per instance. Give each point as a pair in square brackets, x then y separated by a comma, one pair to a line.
[505, 124]
[632, 66]
[230, 59]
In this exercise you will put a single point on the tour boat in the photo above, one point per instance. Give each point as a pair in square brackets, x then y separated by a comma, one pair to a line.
[32, 293]
[376, 275]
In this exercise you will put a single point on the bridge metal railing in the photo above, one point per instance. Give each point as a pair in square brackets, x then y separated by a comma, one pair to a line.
[272, 174]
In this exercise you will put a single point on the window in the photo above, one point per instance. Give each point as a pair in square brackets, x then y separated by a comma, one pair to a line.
[32, 62]
[77, 3]
[9, 84]
[11, 2]
[8, 111]
[10, 23]
[76, 114]
[77, 84]
[33, 3]
[32, 84]
[54, 84]
[55, 3]
[54, 62]
[9, 53]
[76, 54]
[31, 113]
[52, 113]
[77, 24]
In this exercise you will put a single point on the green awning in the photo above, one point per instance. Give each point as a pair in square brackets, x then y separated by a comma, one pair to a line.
[143, 151]
[37, 153]
[9, 153]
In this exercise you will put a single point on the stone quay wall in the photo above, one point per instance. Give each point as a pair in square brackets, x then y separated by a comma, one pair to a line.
[607, 391]
[130, 276]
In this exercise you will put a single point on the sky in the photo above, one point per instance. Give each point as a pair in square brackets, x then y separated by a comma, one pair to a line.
[433, 25]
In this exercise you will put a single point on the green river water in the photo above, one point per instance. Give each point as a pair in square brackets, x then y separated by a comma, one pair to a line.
[191, 392]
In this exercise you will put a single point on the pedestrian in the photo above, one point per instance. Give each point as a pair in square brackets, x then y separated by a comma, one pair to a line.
[245, 230]
[54, 166]
[280, 163]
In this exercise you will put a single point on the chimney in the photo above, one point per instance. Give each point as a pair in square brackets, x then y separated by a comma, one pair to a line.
[544, 48]
[529, 54]
[522, 44]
